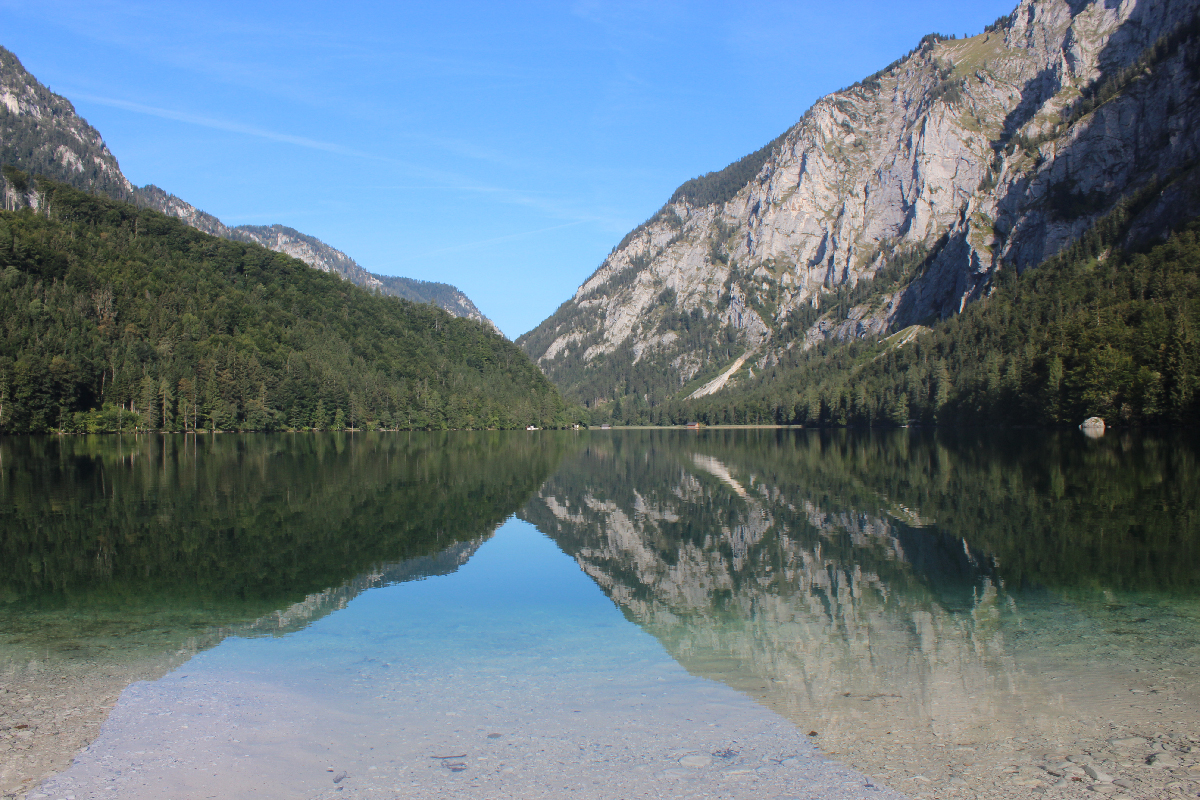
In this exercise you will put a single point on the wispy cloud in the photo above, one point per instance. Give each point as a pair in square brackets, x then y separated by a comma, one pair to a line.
[225, 125]
[422, 177]
[439, 179]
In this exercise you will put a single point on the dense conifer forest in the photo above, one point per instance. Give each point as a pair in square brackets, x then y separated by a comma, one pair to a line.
[117, 318]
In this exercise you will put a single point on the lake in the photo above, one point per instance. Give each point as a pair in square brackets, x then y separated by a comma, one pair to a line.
[721, 613]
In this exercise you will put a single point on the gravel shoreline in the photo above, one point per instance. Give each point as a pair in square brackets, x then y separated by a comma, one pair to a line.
[51, 709]
[1092, 743]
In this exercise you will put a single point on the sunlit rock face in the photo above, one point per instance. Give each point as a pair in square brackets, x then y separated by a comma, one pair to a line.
[966, 157]
[41, 133]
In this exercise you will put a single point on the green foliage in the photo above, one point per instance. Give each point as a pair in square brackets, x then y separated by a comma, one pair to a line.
[948, 89]
[1001, 23]
[619, 387]
[116, 317]
[716, 188]
[1094, 331]
[442, 295]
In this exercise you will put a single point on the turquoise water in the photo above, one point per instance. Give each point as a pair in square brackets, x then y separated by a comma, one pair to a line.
[618, 613]
[515, 676]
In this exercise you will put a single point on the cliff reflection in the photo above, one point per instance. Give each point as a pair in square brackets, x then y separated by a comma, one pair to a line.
[890, 589]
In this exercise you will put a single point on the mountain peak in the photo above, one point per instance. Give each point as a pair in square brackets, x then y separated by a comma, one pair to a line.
[891, 202]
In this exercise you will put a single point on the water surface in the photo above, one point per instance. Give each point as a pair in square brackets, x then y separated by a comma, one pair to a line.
[673, 612]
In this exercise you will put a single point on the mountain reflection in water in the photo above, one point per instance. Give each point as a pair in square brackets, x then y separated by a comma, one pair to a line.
[934, 606]
[985, 601]
[121, 557]
[231, 528]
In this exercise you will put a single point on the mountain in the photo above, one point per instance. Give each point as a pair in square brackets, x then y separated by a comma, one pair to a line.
[315, 253]
[1097, 330]
[41, 134]
[896, 202]
[120, 318]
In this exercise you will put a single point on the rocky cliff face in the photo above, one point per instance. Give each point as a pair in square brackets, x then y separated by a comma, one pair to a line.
[896, 200]
[41, 134]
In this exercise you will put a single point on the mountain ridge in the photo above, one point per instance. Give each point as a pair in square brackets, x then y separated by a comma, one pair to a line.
[41, 134]
[895, 201]
[315, 253]
[121, 318]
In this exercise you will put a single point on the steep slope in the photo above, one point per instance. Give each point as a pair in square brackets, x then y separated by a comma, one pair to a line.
[316, 254]
[1097, 330]
[894, 201]
[41, 134]
[118, 318]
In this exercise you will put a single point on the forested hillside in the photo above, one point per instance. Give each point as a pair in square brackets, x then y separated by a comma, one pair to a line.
[117, 318]
[1093, 331]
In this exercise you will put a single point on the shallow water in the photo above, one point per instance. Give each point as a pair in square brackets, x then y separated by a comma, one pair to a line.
[672, 614]
[513, 677]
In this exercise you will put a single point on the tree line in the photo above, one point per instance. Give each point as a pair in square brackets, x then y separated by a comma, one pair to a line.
[116, 318]
[1095, 330]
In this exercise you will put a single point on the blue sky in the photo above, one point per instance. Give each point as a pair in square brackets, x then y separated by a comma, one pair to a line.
[501, 147]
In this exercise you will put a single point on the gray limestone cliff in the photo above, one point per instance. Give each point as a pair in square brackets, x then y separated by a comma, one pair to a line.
[41, 133]
[895, 201]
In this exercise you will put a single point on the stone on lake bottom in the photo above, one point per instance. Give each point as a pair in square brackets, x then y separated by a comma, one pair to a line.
[1127, 741]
